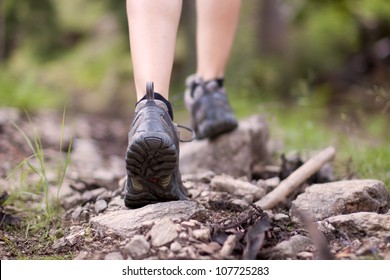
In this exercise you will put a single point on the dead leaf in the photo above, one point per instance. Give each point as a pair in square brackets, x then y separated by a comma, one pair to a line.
[255, 237]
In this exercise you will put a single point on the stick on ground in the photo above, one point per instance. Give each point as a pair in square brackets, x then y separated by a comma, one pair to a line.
[297, 178]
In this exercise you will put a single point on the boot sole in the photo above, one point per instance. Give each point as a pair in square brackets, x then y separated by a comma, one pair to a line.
[212, 128]
[151, 160]
[151, 155]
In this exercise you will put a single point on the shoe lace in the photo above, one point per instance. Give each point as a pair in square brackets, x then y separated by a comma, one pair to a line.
[188, 129]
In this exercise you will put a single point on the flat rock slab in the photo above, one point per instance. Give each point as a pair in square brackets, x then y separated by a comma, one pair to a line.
[289, 248]
[233, 153]
[359, 224]
[343, 197]
[125, 222]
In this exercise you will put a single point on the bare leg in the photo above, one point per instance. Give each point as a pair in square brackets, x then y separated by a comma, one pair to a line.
[152, 28]
[217, 22]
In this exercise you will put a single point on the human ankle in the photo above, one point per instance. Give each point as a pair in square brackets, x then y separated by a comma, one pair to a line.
[158, 96]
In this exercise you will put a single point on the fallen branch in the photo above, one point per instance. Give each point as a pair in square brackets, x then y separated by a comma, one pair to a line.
[296, 179]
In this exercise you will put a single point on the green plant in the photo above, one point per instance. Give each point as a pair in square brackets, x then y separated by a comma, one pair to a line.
[45, 212]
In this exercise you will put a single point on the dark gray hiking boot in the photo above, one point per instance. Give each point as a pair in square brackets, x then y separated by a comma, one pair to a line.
[209, 106]
[152, 155]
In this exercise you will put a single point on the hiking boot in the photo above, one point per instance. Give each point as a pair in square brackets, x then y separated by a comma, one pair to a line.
[152, 155]
[209, 106]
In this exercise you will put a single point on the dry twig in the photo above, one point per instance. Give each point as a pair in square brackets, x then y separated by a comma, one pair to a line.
[297, 178]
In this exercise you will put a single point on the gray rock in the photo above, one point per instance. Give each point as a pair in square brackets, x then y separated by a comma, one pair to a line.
[236, 187]
[138, 246]
[107, 195]
[305, 255]
[75, 237]
[59, 243]
[100, 206]
[64, 191]
[240, 203]
[126, 222]
[92, 195]
[83, 255]
[202, 234]
[175, 247]
[359, 224]
[86, 156]
[187, 224]
[72, 239]
[117, 202]
[281, 217]
[103, 174]
[78, 186]
[387, 255]
[163, 232]
[204, 177]
[71, 201]
[76, 213]
[241, 148]
[289, 248]
[114, 256]
[8, 114]
[207, 248]
[342, 197]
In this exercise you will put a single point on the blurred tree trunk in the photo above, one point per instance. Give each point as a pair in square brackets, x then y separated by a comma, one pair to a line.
[2, 31]
[273, 28]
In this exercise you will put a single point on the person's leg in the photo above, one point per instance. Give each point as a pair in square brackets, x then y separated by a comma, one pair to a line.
[217, 22]
[152, 28]
[153, 150]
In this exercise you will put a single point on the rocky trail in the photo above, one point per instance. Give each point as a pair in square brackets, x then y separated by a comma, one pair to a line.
[227, 179]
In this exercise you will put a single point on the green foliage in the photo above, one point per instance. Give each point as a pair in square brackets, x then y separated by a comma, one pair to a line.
[371, 9]
[26, 92]
[33, 23]
[325, 37]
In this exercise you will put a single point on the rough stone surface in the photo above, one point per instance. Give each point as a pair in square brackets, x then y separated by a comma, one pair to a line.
[175, 247]
[241, 148]
[114, 256]
[126, 221]
[92, 195]
[163, 232]
[85, 153]
[100, 206]
[342, 197]
[290, 247]
[77, 212]
[202, 234]
[82, 256]
[138, 246]
[236, 187]
[360, 224]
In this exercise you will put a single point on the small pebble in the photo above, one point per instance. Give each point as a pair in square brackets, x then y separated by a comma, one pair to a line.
[175, 247]
[202, 234]
[100, 206]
